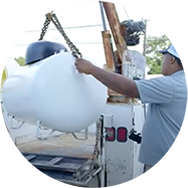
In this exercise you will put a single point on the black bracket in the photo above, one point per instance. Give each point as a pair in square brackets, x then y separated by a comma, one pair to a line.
[135, 137]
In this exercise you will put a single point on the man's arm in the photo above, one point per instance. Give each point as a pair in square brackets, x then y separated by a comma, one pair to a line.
[116, 82]
[158, 90]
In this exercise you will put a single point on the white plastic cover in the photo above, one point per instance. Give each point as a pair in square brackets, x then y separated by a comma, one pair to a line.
[53, 92]
[138, 59]
[137, 66]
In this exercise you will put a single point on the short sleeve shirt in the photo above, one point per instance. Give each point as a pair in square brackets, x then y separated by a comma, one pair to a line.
[166, 97]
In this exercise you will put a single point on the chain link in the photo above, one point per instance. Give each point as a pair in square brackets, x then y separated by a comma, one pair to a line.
[45, 26]
[98, 133]
[52, 17]
[72, 47]
[96, 147]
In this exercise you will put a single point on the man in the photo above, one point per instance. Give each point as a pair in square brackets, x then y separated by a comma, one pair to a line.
[166, 96]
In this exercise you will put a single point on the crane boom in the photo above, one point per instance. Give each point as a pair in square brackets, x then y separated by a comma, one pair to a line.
[113, 59]
[114, 23]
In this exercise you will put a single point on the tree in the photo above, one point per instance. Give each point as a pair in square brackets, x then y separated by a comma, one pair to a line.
[153, 59]
[20, 61]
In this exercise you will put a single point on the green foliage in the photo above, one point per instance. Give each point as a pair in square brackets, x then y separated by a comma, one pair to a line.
[154, 59]
[20, 61]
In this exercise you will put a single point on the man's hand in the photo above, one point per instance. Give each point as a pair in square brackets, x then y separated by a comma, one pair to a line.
[114, 81]
[84, 66]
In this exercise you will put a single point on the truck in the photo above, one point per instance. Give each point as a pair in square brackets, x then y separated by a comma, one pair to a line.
[106, 157]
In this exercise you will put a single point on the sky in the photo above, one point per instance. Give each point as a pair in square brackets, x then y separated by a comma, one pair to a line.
[17, 30]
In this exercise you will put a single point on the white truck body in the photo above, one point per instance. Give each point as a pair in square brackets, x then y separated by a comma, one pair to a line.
[119, 159]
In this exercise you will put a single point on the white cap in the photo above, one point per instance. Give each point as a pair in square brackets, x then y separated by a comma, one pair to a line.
[180, 51]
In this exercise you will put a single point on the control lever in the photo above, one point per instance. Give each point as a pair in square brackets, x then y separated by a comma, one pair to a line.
[135, 137]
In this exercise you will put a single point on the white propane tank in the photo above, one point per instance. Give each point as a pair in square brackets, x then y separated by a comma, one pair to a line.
[53, 92]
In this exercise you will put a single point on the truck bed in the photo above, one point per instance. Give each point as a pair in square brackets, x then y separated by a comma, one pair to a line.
[65, 145]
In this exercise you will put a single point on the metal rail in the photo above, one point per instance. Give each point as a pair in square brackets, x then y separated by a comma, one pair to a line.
[72, 170]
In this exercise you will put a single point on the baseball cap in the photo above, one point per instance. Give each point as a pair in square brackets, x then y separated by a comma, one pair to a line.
[179, 51]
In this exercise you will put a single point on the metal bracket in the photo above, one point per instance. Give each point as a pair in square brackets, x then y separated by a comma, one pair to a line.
[38, 128]
[135, 137]
[82, 139]
[19, 123]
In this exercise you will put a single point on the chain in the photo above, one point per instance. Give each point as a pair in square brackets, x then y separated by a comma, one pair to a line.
[52, 17]
[96, 149]
[95, 153]
[72, 47]
[45, 26]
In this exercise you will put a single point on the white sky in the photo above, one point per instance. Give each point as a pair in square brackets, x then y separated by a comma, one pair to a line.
[165, 14]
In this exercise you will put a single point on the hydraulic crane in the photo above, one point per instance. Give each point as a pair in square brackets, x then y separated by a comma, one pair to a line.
[124, 34]
[113, 160]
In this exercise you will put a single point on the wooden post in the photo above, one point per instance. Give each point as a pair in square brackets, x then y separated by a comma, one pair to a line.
[115, 28]
[121, 46]
[106, 36]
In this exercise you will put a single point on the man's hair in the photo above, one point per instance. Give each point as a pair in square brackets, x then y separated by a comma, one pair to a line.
[179, 62]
